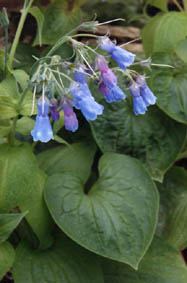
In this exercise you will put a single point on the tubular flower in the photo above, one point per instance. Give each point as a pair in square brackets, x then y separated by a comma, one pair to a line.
[145, 92]
[70, 118]
[108, 86]
[111, 94]
[123, 57]
[55, 115]
[42, 130]
[139, 105]
[83, 98]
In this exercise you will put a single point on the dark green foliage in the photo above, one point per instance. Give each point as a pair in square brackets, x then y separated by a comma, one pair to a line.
[107, 204]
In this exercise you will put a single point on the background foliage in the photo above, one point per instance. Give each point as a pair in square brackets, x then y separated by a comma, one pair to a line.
[107, 204]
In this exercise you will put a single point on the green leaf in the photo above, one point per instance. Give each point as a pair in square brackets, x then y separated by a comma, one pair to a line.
[77, 160]
[183, 153]
[60, 140]
[22, 184]
[163, 32]
[8, 107]
[24, 57]
[181, 50]
[9, 95]
[65, 262]
[25, 125]
[8, 222]
[18, 170]
[8, 98]
[161, 264]
[153, 138]
[7, 255]
[60, 17]
[160, 4]
[38, 216]
[39, 16]
[27, 105]
[5, 127]
[9, 88]
[117, 218]
[170, 86]
[21, 77]
[173, 193]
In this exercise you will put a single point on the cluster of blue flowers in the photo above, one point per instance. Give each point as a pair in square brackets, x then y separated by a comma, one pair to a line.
[81, 98]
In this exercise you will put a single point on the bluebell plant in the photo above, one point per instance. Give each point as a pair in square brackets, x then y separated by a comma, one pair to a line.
[83, 98]
[42, 131]
[142, 95]
[65, 85]
[70, 118]
[108, 85]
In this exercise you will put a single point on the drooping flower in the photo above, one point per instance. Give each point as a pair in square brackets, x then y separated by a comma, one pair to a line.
[111, 94]
[70, 118]
[42, 130]
[145, 92]
[55, 115]
[109, 78]
[139, 105]
[108, 86]
[123, 57]
[83, 98]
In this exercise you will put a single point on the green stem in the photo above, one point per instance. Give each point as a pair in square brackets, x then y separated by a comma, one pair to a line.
[178, 5]
[24, 13]
[185, 5]
[6, 51]
[23, 97]
[66, 38]
[57, 45]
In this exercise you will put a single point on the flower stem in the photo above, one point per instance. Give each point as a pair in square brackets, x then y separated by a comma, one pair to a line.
[178, 5]
[24, 13]
[66, 38]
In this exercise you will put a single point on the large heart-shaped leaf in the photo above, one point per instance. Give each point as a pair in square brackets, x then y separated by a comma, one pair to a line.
[163, 32]
[8, 223]
[170, 86]
[65, 262]
[153, 138]
[117, 217]
[76, 159]
[7, 255]
[173, 194]
[161, 264]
